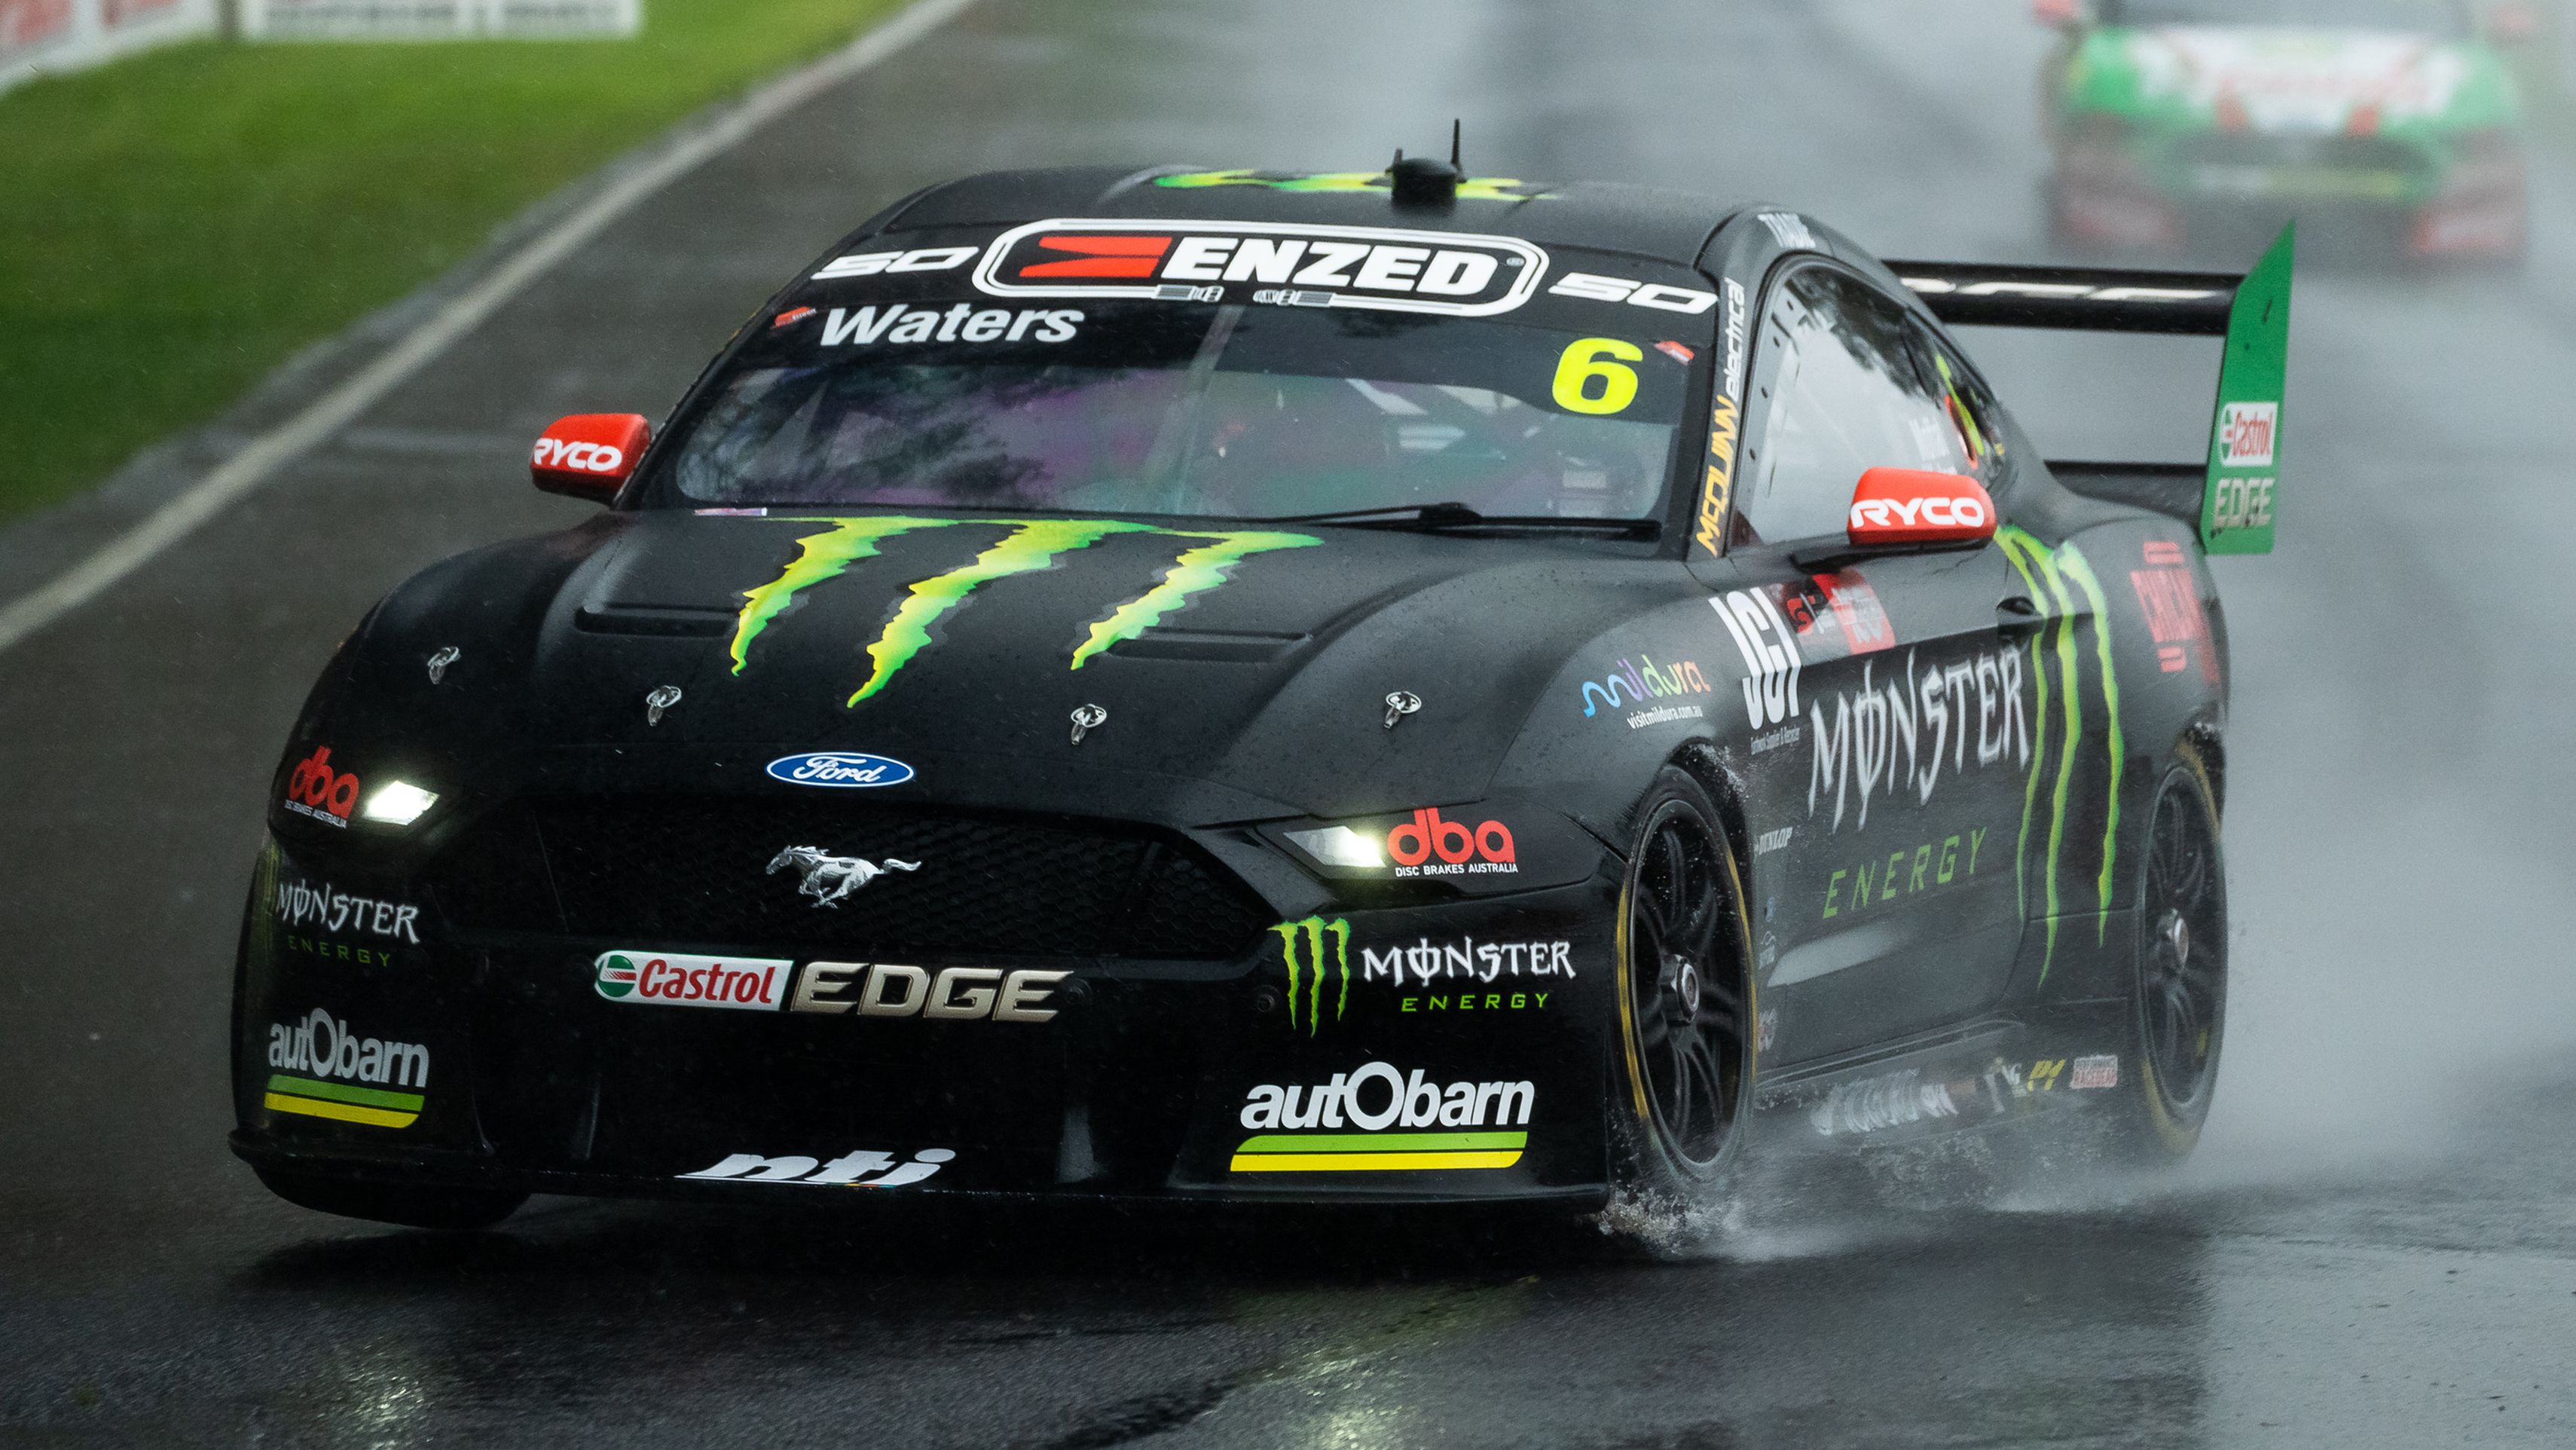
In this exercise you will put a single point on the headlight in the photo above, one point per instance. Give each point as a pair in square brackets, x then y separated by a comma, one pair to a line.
[1341, 846]
[398, 803]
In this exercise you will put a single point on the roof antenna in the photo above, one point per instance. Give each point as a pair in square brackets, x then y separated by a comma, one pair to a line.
[1425, 182]
[1457, 125]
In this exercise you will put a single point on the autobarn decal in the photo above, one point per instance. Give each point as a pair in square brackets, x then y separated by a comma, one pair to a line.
[1454, 274]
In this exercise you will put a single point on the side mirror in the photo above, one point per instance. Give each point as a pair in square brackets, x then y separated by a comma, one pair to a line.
[2057, 14]
[589, 455]
[1903, 508]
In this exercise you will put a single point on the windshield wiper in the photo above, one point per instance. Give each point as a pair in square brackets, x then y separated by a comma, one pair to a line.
[1450, 514]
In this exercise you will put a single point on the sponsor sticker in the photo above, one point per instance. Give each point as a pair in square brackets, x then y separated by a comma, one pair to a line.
[323, 907]
[950, 994]
[1390, 1121]
[1429, 845]
[1636, 294]
[2246, 434]
[1772, 662]
[1649, 693]
[670, 979]
[839, 769]
[322, 1068]
[866, 1168]
[320, 793]
[1450, 273]
[2095, 1072]
[960, 322]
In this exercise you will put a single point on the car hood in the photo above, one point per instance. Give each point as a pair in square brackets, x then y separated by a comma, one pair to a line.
[1255, 662]
[2295, 81]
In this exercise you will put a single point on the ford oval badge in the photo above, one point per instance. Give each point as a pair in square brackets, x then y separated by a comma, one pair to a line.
[840, 769]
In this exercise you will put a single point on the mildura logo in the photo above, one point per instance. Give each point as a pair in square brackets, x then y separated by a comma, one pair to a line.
[1373, 1100]
[1031, 545]
[1634, 681]
[1450, 273]
[324, 1069]
[1301, 947]
[840, 769]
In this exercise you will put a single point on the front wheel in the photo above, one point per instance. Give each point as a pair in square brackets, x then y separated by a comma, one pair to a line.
[2179, 1012]
[1686, 1008]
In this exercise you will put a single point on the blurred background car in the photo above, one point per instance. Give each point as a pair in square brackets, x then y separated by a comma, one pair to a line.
[2386, 127]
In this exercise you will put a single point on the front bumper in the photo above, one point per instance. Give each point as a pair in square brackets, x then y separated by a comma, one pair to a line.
[1438, 1052]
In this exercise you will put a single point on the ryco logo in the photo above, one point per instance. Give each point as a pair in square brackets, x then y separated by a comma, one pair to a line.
[1883, 513]
[578, 456]
[318, 791]
[1459, 849]
[754, 985]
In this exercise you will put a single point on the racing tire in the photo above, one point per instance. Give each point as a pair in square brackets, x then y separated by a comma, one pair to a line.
[448, 1210]
[2178, 1014]
[1686, 997]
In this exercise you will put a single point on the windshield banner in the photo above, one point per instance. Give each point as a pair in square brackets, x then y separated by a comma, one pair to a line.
[1249, 262]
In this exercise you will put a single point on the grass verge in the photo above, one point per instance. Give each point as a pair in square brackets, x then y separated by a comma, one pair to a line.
[174, 226]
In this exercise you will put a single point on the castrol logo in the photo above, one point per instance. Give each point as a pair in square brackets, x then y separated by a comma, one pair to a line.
[580, 457]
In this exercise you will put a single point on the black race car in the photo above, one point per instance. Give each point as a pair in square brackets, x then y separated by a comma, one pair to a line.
[1232, 685]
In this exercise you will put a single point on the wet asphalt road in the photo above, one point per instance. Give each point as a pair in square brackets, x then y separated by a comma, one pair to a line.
[2376, 1246]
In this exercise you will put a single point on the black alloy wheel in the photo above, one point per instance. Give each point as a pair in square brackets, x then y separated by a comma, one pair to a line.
[1685, 995]
[2182, 963]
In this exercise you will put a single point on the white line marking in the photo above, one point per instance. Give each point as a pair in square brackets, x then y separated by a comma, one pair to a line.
[256, 463]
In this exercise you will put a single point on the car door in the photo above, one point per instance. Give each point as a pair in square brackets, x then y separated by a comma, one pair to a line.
[1889, 696]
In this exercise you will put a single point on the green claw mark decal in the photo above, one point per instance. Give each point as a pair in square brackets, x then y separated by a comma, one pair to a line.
[2045, 572]
[819, 557]
[1311, 971]
[2078, 569]
[1195, 571]
[1473, 188]
[1031, 545]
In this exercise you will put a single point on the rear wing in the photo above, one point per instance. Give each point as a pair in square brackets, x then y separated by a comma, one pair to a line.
[2239, 489]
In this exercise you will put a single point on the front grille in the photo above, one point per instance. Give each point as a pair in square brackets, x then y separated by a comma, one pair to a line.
[683, 870]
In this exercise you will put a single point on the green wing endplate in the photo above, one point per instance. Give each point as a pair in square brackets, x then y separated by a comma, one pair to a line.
[2243, 497]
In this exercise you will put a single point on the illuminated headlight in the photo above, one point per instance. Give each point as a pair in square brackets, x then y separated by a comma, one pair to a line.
[1340, 846]
[399, 803]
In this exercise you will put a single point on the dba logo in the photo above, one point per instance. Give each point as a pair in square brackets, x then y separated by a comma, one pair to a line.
[844, 770]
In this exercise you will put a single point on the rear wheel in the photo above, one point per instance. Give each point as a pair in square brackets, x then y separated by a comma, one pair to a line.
[453, 1210]
[2180, 1009]
[1686, 1007]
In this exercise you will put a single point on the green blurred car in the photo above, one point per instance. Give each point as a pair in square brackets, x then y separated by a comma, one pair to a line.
[2205, 123]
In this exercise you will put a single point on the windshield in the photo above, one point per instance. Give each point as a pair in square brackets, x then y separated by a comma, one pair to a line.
[2421, 17]
[1232, 411]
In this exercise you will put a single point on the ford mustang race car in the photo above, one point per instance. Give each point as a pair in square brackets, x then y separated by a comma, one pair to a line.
[2203, 121]
[1238, 686]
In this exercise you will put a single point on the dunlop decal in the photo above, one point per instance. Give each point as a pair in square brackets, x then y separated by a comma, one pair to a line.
[2045, 572]
[1032, 545]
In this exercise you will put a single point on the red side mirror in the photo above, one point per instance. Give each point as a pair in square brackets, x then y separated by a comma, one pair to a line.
[589, 455]
[2057, 13]
[1904, 507]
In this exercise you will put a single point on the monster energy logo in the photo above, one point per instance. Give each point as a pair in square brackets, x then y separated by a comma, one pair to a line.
[1301, 946]
[2053, 577]
[1032, 545]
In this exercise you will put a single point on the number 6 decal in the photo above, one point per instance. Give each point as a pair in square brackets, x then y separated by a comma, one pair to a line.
[1585, 362]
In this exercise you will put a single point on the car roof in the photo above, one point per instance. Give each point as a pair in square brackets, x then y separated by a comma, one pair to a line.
[1667, 226]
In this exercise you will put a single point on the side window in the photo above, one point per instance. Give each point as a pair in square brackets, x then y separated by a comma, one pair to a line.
[1845, 384]
[1972, 410]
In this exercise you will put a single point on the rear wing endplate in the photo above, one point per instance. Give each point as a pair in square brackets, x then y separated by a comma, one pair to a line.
[2240, 488]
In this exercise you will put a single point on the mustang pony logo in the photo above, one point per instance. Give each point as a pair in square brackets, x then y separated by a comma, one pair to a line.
[829, 878]
[1032, 544]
